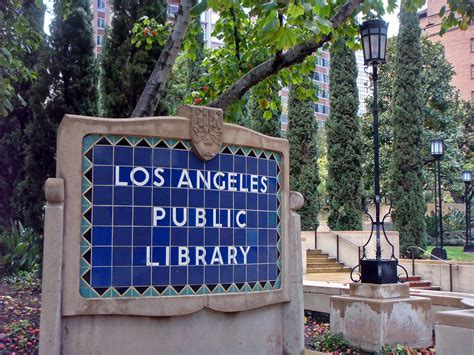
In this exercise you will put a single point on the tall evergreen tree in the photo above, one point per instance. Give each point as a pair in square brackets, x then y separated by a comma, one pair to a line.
[304, 174]
[407, 165]
[12, 126]
[126, 68]
[258, 109]
[344, 142]
[67, 84]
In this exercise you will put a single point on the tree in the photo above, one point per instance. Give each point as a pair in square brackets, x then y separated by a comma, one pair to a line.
[407, 163]
[444, 115]
[20, 37]
[67, 84]
[185, 74]
[262, 44]
[344, 142]
[12, 126]
[302, 135]
[264, 114]
[126, 67]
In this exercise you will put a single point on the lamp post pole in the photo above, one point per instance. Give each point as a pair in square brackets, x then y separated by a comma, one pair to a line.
[379, 270]
[467, 177]
[436, 204]
[437, 152]
[440, 201]
[377, 198]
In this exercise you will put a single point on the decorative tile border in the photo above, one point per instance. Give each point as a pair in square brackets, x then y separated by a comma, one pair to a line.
[86, 288]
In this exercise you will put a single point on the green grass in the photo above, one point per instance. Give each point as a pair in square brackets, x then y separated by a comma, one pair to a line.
[455, 253]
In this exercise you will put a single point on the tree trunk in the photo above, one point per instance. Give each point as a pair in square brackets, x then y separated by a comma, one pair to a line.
[155, 87]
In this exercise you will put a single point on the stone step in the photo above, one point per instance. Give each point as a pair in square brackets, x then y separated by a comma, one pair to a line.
[325, 257]
[429, 288]
[313, 251]
[319, 256]
[414, 278]
[418, 284]
[320, 260]
[327, 270]
[321, 264]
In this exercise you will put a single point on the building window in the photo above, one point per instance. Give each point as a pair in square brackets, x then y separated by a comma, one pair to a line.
[320, 108]
[320, 123]
[172, 10]
[323, 94]
[472, 71]
[100, 40]
[323, 62]
[320, 77]
[100, 22]
[101, 5]
[472, 44]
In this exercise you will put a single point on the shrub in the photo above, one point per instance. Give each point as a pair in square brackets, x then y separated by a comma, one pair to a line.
[23, 280]
[453, 228]
[21, 248]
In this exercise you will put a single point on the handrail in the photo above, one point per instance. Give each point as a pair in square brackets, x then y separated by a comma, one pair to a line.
[413, 247]
[347, 240]
[433, 256]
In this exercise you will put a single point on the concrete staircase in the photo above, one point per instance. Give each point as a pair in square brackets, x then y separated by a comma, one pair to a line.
[317, 262]
[417, 282]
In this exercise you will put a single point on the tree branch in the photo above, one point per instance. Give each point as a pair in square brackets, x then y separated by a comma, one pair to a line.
[156, 84]
[293, 56]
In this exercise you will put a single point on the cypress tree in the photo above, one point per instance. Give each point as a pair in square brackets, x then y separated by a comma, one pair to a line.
[344, 142]
[67, 84]
[266, 125]
[304, 174]
[126, 68]
[407, 180]
[12, 127]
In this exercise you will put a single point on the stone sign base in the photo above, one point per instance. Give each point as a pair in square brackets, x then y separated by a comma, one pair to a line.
[373, 316]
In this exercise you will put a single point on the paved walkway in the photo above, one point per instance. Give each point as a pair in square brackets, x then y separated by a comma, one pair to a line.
[328, 279]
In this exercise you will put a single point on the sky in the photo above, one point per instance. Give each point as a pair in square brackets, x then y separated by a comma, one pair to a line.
[392, 19]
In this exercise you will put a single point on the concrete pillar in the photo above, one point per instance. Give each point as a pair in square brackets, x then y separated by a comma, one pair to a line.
[50, 341]
[373, 316]
[293, 312]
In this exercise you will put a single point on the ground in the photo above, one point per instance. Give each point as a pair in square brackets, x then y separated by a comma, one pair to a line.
[19, 315]
[318, 337]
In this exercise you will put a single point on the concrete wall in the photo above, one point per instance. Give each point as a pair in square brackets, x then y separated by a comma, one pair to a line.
[349, 244]
[439, 275]
[317, 296]
[204, 332]
[455, 332]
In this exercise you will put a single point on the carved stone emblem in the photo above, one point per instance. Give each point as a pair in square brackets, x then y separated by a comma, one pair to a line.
[206, 129]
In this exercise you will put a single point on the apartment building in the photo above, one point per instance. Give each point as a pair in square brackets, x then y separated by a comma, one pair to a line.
[458, 45]
[102, 12]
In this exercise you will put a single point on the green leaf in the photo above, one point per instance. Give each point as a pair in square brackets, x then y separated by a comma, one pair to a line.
[285, 38]
[295, 10]
[199, 8]
[269, 6]
[267, 115]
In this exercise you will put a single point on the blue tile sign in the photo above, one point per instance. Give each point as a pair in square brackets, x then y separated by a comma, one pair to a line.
[158, 221]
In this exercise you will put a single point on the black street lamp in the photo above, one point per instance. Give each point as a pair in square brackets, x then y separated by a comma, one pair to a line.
[467, 178]
[377, 271]
[437, 152]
